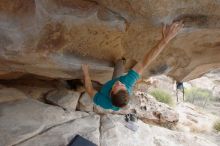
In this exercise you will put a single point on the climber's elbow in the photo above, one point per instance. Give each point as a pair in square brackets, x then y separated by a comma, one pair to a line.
[91, 91]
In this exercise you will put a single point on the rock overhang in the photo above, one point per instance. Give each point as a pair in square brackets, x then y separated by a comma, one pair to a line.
[53, 38]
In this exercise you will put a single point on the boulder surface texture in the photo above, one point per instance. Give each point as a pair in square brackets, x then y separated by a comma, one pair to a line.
[23, 119]
[52, 38]
[28, 122]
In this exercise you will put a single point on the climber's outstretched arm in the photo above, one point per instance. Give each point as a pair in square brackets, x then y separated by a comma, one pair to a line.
[168, 33]
[87, 81]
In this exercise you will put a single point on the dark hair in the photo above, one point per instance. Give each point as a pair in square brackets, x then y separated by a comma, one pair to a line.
[120, 99]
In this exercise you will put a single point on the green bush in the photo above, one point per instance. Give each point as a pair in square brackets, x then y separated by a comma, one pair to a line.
[162, 96]
[198, 96]
[217, 126]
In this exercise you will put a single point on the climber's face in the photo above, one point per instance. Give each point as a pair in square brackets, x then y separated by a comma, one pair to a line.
[117, 87]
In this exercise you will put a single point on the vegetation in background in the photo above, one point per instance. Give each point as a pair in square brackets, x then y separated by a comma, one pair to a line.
[216, 98]
[162, 96]
[217, 126]
[198, 96]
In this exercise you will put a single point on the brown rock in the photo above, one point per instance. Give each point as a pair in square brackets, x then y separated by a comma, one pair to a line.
[53, 38]
[11, 94]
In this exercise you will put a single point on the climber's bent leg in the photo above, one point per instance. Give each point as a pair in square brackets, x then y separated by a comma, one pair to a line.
[119, 68]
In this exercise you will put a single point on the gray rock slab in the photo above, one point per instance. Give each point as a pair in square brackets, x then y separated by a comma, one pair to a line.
[22, 119]
[114, 133]
[87, 127]
[85, 103]
[66, 99]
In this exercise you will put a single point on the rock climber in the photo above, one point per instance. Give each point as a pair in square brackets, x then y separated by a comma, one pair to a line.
[114, 94]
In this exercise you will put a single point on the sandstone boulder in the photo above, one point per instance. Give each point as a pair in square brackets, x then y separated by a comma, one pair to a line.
[152, 110]
[10, 94]
[53, 38]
